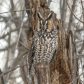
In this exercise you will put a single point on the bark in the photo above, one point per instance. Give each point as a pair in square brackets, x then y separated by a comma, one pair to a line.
[2, 80]
[42, 72]
[59, 66]
[73, 58]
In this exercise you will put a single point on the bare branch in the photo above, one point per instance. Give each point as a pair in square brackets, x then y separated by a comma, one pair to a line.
[76, 78]
[2, 37]
[23, 45]
[16, 45]
[11, 46]
[4, 73]
[16, 11]
[73, 13]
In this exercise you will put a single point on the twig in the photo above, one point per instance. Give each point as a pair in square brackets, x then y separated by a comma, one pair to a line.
[6, 48]
[73, 13]
[76, 78]
[16, 46]
[23, 45]
[4, 73]
[3, 36]
[15, 11]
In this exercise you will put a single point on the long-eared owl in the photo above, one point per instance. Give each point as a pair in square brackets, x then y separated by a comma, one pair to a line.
[45, 40]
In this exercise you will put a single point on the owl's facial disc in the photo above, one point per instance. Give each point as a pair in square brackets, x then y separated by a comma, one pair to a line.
[45, 24]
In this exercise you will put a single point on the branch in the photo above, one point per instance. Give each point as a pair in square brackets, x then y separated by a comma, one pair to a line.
[20, 58]
[23, 45]
[80, 56]
[63, 11]
[82, 47]
[76, 78]
[16, 11]
[2, 37]
[22, 18]
[73, 13]
[6, 48]
[4, 73]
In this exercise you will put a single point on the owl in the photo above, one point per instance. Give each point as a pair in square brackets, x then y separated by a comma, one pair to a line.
[45, 41]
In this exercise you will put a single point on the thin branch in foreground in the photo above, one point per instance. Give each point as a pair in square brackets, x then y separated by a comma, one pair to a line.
[73, 13]
[76, 78]
[15, 11]
[8, 47]
[23, 45]
[4, 73]
[22, 18]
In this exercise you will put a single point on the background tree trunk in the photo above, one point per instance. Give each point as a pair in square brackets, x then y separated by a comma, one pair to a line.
[1, 79]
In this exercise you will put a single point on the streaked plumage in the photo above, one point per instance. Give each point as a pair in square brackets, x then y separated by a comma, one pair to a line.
[45, 40]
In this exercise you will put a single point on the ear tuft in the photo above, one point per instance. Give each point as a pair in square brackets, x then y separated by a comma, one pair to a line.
[49, 16]
[39, 15]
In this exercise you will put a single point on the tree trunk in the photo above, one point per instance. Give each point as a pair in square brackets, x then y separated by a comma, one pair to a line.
[42, 72]
[2, 80]
[59, 70]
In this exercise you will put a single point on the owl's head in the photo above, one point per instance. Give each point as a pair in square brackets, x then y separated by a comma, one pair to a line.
[44, 24]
